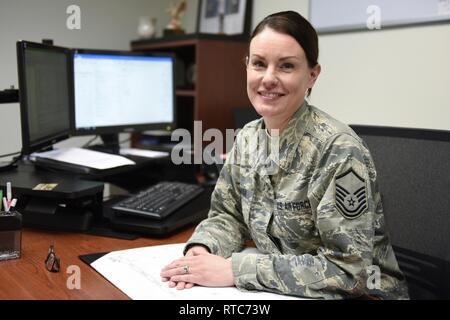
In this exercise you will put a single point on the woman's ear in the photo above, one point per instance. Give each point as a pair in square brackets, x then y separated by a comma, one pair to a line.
[314, 74]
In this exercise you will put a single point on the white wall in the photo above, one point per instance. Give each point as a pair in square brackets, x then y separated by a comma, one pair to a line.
[396, 77]
[262, 8]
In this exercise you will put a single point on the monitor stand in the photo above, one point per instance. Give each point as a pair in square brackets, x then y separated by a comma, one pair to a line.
[110, 144]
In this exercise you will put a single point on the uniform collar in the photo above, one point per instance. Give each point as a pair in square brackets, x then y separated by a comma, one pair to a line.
[292, 134]
[289, 140]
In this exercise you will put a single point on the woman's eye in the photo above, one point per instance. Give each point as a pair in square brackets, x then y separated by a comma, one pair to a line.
[258, 64]
[287, 66]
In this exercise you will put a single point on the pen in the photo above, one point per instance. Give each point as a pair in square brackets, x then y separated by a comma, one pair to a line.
[8, 191]
[8, 194]
[13, 203]
[5, 204]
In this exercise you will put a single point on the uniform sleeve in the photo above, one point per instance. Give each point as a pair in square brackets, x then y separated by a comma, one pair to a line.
[224, 231]
[342, 197]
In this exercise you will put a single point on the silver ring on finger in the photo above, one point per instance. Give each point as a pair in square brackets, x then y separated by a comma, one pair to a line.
[186, 269]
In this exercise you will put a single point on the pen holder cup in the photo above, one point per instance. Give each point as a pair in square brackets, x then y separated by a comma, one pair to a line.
[10, 235]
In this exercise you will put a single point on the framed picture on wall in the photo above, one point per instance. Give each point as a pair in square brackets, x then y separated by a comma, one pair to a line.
[229, 17]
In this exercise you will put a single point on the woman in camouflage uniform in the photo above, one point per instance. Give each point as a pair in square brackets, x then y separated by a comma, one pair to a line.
[297, 182]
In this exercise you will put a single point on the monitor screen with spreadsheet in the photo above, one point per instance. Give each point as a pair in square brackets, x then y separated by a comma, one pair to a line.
[117, 91]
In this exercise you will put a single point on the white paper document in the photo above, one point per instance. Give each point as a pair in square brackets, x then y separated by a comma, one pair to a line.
[87, 158]
[143, 153]
[136, 273]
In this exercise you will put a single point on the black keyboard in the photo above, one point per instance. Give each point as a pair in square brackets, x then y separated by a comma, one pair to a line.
[158, 201]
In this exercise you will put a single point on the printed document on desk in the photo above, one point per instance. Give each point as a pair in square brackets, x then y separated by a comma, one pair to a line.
[87, 158]
[143, 153]
[136, 273]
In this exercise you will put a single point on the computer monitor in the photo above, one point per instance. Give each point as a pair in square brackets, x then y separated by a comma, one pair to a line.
[45, 94]
[117, 91]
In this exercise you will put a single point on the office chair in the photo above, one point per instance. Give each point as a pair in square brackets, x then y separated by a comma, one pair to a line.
[413, 167]
[244, 115]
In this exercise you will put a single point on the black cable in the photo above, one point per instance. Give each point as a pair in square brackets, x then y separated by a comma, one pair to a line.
[89, 142]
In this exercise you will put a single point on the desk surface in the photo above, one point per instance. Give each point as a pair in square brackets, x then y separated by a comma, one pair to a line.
[27, 278]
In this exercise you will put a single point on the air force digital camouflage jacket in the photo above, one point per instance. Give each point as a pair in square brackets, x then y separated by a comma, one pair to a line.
[314, 212]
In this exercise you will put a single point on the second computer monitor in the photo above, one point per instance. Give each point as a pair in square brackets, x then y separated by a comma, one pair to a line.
[45, 94]
[122, 92]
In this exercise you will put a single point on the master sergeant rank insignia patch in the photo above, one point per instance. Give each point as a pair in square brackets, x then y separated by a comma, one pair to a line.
[351, 194]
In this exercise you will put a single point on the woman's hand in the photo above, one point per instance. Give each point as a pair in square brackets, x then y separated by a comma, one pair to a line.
[204, 269]
[195, 250]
